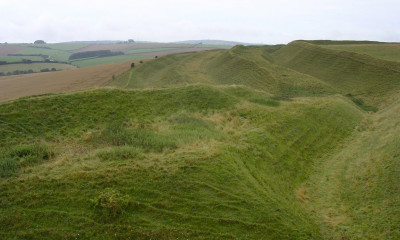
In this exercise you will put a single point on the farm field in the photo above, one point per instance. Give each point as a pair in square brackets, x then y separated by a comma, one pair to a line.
[36, 67]
[13, 59]
[6, 49]
[61, 52]
[12, 87]
[55, 55]
[106, 60]
[294, 141]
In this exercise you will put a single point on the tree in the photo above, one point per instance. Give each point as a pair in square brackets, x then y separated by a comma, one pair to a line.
[131, 41]
[39, 42]
[132, 65]
[53, 69]
[156, 57]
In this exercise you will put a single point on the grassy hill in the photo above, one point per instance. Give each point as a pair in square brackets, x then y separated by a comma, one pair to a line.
[356, 190]
[248, 66]
[389, 52]
[187, 162]
[369, 79]
[259, 142]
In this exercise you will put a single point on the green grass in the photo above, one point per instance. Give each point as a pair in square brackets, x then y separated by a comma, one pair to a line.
[341, 42]
[240, 66]
[15, 157]
[66, 46]
[356, 189]
[364, 77]
[106, 60]
[36, 67]
[389, 52]
[260, 142]
[163, 163]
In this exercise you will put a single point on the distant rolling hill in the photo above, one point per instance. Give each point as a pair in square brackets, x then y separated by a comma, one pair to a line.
[214, 42]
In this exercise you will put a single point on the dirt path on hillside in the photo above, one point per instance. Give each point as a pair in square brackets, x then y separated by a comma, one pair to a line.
[13, 87]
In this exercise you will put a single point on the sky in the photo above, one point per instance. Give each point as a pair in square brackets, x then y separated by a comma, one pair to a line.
[251, 21]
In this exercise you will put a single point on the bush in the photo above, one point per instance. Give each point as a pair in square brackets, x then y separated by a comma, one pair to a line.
[45, 70]
[53, 69]
[132, 65]
[2, 74]
[110, 203]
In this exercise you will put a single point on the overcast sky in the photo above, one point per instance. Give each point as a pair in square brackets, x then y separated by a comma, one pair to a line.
[278, 21]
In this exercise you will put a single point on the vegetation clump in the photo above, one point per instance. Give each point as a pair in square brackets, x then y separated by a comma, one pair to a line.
[14, 158]
[110, 204]
[118, 135]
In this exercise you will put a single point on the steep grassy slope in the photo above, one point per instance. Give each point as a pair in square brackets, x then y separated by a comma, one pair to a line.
[389, 52]
[356, 190]
[189, 162]
[372, 80]
[249, 66]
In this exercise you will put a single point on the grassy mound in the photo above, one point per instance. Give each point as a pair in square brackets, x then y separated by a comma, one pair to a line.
[356, 190]
[248, 66]
[372, 80]
[190, 162]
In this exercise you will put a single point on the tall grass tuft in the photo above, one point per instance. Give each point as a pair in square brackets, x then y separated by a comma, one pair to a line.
[21, 156]
[118, 135]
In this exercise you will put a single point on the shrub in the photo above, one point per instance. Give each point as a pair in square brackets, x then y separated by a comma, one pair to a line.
[45, 70]
[132, 65]
[110, 203]
[53, 69]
